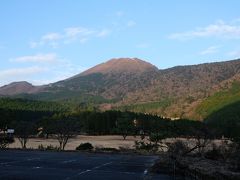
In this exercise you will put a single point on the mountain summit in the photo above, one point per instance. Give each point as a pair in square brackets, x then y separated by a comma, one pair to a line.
[122, 65]
[113, 79]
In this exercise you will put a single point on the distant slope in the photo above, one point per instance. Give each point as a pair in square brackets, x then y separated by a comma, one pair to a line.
[19, 87]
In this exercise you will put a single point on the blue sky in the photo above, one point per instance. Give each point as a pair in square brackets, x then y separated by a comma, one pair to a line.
[44, 41]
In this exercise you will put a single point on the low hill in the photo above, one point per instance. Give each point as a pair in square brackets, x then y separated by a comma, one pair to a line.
[19, 88]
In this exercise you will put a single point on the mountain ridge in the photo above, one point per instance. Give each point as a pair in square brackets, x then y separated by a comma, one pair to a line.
[175, 92]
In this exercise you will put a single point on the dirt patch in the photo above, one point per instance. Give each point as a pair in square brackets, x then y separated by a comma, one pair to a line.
[96, 141]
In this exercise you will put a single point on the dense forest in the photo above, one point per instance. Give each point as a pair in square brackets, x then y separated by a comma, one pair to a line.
[89, 120]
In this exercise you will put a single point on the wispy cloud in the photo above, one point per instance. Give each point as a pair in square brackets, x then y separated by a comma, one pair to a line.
[59, 73]
[46, 68]
[51, 37]
[103, 33]
[17, 74]
[131, 23]
[220, 29]
[76, 31]
[210, 50]
[38, 58]
[69, 35]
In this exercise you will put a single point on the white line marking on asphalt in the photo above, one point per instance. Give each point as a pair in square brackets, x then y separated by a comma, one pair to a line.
[37, 167]
[5, 163]
[30, 159]
[145, 172]
[68, 161]
[84, 172]
[97, 167]
[89, 170]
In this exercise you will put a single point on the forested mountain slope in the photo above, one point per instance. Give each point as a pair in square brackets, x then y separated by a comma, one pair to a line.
[193, 91]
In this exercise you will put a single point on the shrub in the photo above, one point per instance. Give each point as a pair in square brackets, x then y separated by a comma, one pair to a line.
[84, 146]
[214, 154]
[5, 141]
[178, 149]
[48, 148]
[52, 148]
[107, 149]
[141, 145]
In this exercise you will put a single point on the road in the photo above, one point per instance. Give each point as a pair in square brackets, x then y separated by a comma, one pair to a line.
[45, 165]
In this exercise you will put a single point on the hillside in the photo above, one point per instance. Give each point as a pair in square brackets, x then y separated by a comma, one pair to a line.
[226, 119]
[133, 84]
[113, 79]
[19, 88]
[180, 90]
[29, 105]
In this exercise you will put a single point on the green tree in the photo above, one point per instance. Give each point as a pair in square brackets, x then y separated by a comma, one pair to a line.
[23, 131]
[125, 125]
[63, 127]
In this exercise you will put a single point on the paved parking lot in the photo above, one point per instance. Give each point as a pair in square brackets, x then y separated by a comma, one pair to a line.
[74, 165]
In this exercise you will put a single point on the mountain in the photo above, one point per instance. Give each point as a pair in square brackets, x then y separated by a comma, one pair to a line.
[113, 79]
[181, 90]
[19, 88]
[122, 65]
[193, 91]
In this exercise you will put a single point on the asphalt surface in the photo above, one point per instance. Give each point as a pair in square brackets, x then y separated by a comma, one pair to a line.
[75, 165]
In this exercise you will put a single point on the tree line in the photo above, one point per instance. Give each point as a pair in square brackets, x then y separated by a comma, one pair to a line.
[64, 123]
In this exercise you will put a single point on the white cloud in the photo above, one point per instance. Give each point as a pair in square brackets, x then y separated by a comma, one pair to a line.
[210, 50]
[131, 23]
[63, 70]
[83, 40]
[103, 33]
[74, 32]
[39, 75]
[48, 68]
[51, 37]
[38, 58]
[220, 29]
[17, 74]
[69, 35]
